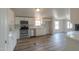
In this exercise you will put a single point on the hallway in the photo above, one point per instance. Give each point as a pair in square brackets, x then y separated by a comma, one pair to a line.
[56, 42]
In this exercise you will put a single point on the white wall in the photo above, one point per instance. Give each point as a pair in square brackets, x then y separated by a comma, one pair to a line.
[74, 15]
[7, 30]
[74, 12]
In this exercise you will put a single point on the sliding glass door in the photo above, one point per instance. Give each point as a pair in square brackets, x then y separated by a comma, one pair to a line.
[62, 25]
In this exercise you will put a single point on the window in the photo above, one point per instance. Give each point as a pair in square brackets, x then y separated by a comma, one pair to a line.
[56, 25]
[37, 23]
[69, 25]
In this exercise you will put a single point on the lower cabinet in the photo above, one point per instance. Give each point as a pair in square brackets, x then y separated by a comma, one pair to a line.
[11, 42]
[32, 32]
[38, 31]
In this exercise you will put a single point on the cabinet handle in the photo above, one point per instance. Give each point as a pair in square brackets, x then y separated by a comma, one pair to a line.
[5, 41]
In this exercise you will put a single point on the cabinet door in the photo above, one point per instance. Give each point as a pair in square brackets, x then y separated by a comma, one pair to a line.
[11, 30]
[31, 22]
[3, 29]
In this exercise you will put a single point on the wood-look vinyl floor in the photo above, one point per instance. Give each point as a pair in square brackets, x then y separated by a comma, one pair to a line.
[56, 42]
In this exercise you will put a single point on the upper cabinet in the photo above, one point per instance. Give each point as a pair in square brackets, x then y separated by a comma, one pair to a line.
[11, 20]
[31, 21]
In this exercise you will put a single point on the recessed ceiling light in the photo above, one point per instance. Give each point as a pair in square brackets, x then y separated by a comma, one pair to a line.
[37, 9]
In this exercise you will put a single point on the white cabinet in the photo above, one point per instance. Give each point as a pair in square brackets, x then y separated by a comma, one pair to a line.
[12, 38]
[42, 30]
[17, 25]
[3, 28]
[31, 32]
[7, 29]
[31, 22]
[2, 46]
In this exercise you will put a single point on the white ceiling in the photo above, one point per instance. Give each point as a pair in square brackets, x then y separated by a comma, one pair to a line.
[31, 12]
[46, 12]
